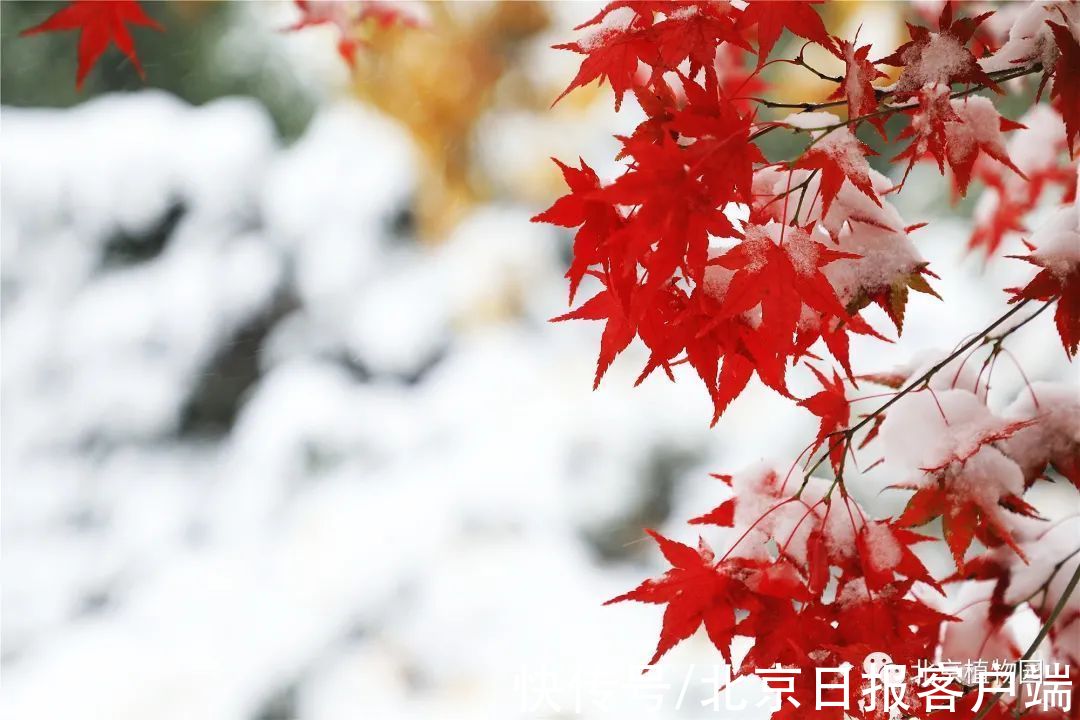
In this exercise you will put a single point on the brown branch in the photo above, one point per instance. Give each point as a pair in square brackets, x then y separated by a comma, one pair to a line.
[1043, 632]
[1001, 76]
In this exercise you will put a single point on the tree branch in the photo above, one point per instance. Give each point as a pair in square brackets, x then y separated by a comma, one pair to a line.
[1043, 632]
[848, 434]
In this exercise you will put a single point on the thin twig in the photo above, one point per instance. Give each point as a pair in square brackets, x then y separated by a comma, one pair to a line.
[847, 435]
[1043, 632]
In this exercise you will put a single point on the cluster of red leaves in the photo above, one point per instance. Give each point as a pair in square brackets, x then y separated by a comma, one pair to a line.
[646, 236]
[100, 23]
[697, 249]
[780, 601]
[350, 18]
[652, 239]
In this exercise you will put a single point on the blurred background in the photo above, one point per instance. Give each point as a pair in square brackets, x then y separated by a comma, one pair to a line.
[286, 433]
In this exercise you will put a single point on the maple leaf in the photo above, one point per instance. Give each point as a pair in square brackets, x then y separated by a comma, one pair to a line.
[1066, 89]
[889, 617]
[939, 58]
[839, 156]
[978, 127]
[779, 279]
[749, 317]
[99, 22]
[772, 18]
[676, 212]
[710, 338]
[692, 32]
[618, 328]
[832, 406]
[927, 128]
[1058, 280]
[698, 592]
[857, 86]
[884, 551]
[947, 439]
[964, 513]
[598, 220]
[612, 53]
[956, 131]
[722, 150]
[893, 298]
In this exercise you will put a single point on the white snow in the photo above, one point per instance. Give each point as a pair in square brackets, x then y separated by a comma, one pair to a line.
[1056, 432]
[811, 120]
[938, 61]
[406, 516]
[1030, 39]
[1057, 241]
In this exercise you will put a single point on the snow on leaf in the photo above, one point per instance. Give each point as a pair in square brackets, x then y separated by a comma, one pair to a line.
[1057, 252]
[941, 57]
[839, 156]
[945, 441]
[857, 87]
[884, 552]
[927, 128]
[977, 127]
[1053, 437]
[956, 130]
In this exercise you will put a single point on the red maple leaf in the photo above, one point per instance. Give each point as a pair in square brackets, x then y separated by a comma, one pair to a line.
[941, 57]
[1060, 283]
[956, 131]
[832, 406]
[99, 22]
[598, 220]
[965, 478]
[611, 53]
[1066, 90]
[708, 336]
[978, 129]
[839, 156]
[698, 592]
[890, 617]
[857, 87]
[676, 212]
[618, 328]
[722, 150]
[884, 551]
[780, 277]
[692, 32]
[962, 518]
[927, 128]
[772, 18]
